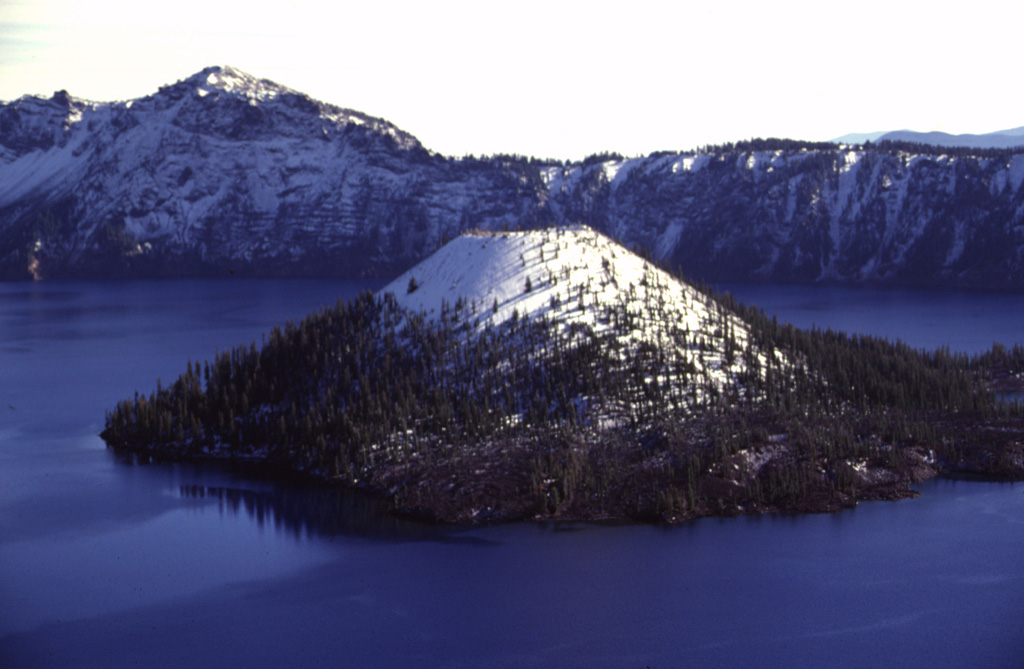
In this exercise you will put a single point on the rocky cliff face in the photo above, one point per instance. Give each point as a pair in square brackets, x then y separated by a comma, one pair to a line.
[225, 173]
[883, 215]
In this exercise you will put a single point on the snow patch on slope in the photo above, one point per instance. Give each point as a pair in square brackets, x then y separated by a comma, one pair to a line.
[617, 171]
[690, 163]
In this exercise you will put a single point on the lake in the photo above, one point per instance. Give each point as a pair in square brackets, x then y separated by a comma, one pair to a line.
[107, 563]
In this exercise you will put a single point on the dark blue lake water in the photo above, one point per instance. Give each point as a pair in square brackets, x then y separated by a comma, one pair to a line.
[969, 322]
[105, 563]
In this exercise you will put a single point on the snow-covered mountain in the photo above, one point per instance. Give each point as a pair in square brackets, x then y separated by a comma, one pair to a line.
[576, 278]
[781, 211]
[226, 173]
[223, 172]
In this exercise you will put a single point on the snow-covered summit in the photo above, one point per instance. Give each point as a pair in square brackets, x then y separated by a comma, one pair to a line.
[225, 80]
[530, 272]
[232, 80]
[224, 101]
[576, 278]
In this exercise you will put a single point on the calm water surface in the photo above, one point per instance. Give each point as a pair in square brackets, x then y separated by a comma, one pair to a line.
[968, 322]
[109, 563]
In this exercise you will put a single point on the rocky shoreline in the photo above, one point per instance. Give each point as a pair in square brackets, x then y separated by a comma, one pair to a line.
[487, 485]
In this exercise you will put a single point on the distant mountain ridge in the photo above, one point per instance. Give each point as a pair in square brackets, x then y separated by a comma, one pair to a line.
[224, 173]
[1001, 139]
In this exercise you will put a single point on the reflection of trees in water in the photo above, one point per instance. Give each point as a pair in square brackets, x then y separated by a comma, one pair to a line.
[303, 510]
[322, 511]
[1010, 397]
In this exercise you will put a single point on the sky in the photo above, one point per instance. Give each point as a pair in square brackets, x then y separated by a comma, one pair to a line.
[554, 79]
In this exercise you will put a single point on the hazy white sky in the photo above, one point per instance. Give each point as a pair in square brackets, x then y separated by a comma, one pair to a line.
[549, 78]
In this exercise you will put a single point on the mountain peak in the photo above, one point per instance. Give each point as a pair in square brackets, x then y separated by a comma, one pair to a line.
[523, 272]
[224, 78]
[577, 279]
